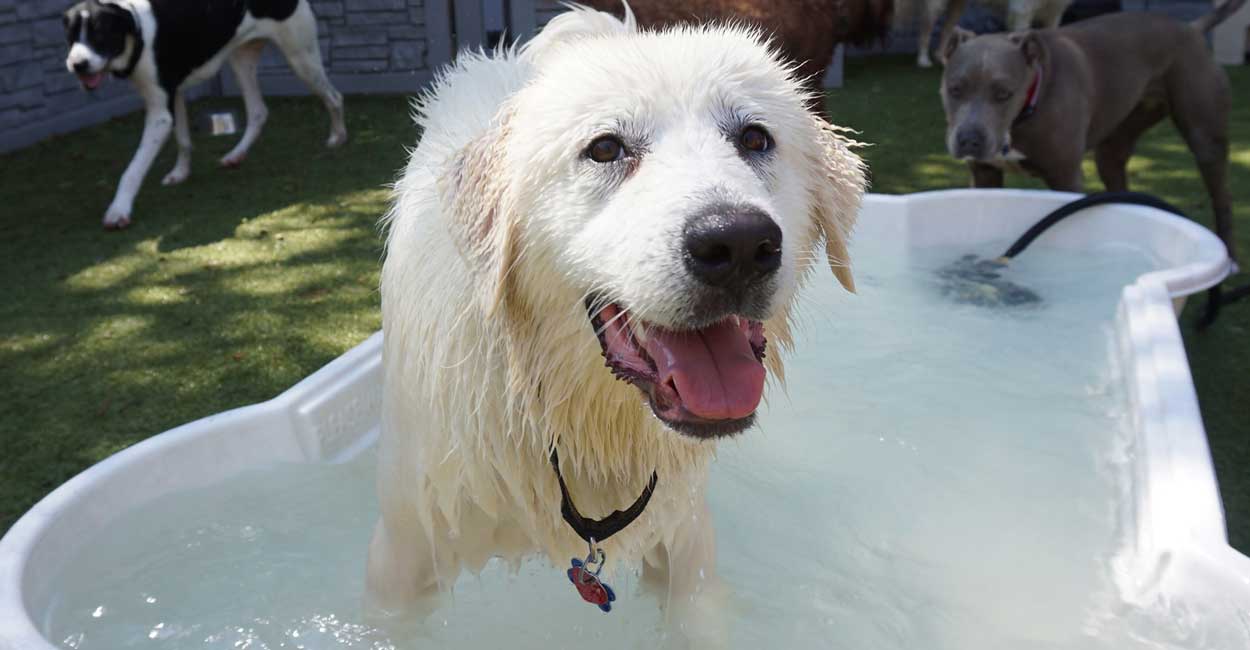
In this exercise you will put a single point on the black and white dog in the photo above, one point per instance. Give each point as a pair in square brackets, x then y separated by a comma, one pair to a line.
[164, 46]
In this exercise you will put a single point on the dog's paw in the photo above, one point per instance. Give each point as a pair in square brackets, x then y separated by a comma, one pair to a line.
[116, 219]
[233, 160]
[923, 61]
[175, 177]
[336, 140]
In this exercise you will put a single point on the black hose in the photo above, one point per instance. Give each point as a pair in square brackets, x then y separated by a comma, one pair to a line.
[1100, 198]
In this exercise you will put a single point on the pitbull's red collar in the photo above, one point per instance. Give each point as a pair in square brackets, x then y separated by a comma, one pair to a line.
[1030, 100]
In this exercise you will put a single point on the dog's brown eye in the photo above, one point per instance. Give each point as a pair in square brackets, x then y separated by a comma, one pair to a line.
[1001, 94]
[606, 149]
[755, 138]
[954, 91]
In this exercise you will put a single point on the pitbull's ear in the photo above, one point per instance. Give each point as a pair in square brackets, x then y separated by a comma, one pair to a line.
[838, 187]
[1029, 45]
[478, 206]
[958, 37]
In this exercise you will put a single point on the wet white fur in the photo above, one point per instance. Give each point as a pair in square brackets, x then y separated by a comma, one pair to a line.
[296, 37]
[501, 227]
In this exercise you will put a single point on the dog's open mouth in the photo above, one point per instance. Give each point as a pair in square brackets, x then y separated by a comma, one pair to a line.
[91, 80]
[705, 382]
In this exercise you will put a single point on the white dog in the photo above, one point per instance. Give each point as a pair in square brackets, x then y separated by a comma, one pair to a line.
[652, 198]
[166, 47]
[1021, 15]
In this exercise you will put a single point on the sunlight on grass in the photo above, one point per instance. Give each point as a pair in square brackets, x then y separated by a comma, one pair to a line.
[155, 295]
[115, 329]
[108, 273]
[16, 344]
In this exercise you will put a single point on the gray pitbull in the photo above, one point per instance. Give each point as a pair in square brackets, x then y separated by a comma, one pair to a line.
[1038, 100]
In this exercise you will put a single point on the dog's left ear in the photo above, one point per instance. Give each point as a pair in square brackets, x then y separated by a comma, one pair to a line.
[478, 207]
[839, 186]
[1029, 45]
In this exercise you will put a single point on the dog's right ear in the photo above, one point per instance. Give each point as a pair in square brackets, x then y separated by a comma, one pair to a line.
[476, 201]
[958, 37]
[839, 185]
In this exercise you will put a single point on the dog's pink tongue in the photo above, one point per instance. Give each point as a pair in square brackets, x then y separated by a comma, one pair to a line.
[713, 369]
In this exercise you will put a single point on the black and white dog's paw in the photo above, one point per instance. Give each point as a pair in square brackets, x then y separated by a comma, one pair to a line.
[175, 176]
[116, 219]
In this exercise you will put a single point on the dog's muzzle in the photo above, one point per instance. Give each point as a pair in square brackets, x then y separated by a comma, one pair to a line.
[90, 80]
[971, 143]
[705, 376]
[732, 247]
[732, 253]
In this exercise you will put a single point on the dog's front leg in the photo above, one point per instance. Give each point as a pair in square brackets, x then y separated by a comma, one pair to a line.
[683, 574]
[402, 574]
[984, 175]
[156, 128]
[1067, 177]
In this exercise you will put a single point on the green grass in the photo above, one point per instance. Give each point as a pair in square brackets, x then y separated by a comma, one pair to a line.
[233, 286]
[225, 291]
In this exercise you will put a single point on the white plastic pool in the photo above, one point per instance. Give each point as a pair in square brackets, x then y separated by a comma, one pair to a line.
[1171, 515]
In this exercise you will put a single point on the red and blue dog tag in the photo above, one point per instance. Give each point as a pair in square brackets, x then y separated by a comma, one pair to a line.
[586, 580]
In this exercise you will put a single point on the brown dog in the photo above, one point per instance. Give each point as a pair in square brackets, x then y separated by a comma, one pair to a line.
[807, 31]
[1038, 100]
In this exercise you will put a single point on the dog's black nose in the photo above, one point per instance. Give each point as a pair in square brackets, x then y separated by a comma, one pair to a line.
[731, 246]
[970, 143]
[82, 67]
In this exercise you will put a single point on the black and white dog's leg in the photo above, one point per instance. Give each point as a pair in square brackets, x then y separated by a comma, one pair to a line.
[297, 38]
[156, 128]
[244, 62]
[182, 133]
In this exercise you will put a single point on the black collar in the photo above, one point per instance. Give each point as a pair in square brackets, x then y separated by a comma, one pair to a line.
[597, 530]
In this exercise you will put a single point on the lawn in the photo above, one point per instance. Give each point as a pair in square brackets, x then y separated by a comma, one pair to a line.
[233, 286]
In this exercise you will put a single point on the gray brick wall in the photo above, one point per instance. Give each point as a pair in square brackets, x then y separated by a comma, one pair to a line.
[368, 46]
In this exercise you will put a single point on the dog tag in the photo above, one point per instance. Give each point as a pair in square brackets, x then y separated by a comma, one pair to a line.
[584, 574]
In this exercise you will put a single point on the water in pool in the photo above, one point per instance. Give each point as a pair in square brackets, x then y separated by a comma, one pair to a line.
[937, 476]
